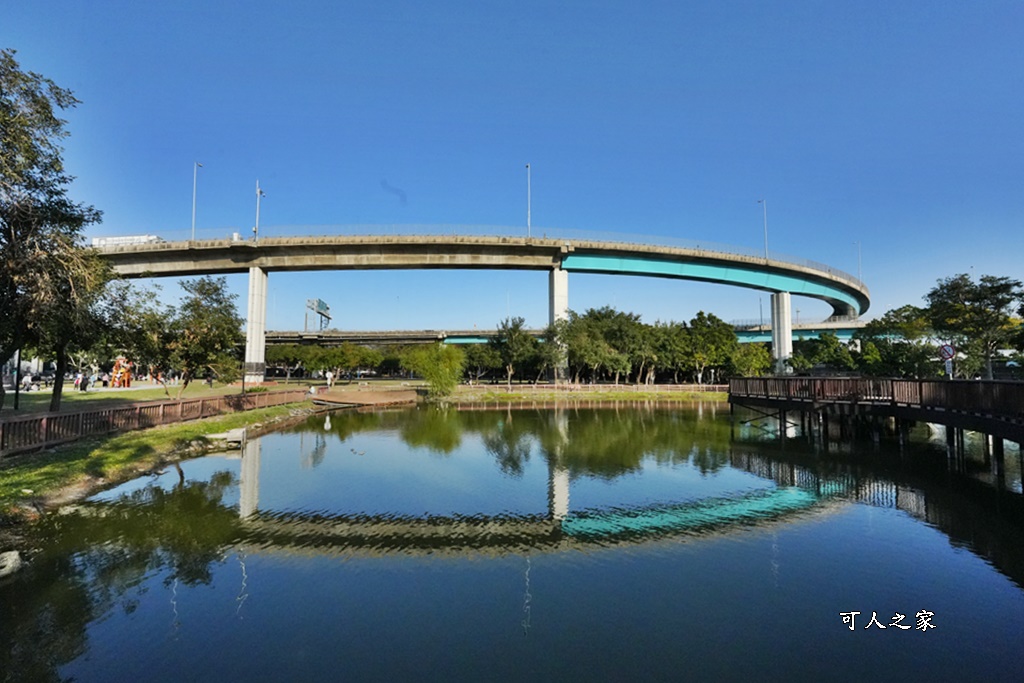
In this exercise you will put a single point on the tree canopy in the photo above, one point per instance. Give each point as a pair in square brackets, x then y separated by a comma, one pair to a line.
[45, 267]
[976, 316]
[208, 331]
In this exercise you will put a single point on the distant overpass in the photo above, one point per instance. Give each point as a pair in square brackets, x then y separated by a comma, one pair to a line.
[847, 295]
[843, 329]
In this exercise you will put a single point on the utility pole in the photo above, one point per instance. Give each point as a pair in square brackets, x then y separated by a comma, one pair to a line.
[528, 198]
[195, 169]
[259, 194]
[764, 203]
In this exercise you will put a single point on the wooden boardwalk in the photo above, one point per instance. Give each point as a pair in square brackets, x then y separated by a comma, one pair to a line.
[991, 407]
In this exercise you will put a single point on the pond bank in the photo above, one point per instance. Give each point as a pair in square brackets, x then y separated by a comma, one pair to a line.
[35, 482]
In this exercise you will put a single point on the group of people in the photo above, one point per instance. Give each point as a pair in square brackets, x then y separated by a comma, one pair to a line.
[119, 377]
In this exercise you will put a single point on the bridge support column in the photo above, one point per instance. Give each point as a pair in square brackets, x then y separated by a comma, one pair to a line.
[782, 330]
[256, 327]
[558, 306]
[558, 492]
[249, 476]
[558, 295]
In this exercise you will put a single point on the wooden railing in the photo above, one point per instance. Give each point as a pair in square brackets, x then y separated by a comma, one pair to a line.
[31, 432]
[996, 399]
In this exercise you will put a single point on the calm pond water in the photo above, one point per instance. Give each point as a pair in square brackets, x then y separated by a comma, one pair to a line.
[574, 544]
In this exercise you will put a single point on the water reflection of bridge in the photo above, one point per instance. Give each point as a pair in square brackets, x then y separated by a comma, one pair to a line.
[557, 529]
[801, 491]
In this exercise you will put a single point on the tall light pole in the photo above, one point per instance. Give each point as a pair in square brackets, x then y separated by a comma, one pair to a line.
[764, 203]
[195, 170]
[859, 277]
[528, 198]
[259, 193]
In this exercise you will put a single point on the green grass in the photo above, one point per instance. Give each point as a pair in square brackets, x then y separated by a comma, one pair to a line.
[594, 396]
[72, 399]
[112, 458]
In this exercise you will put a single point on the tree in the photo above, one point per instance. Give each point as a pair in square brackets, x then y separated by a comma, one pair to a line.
[208, 331]
[976, 314]
[674, 345]
[77, 316]
[826, 352]
[514, 345]
[750, 360]
[713, 341]
[898, 344]
[291, 356]
[40, 227]
[439, 364]
[481, 359]
[142, 326]
[549, 354]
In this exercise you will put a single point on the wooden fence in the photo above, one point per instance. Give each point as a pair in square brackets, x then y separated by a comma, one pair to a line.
[1000, 400]
[32, 432]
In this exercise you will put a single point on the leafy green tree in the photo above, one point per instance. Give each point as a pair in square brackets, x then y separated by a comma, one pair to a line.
[750, 360]
[712, 343]
[826, 352]
[139, 326]
[898, 344]
[977, 314]
[208, 331]
[587, 349]
[40, 226]
[481, 360]
[622, 336]
[514, 346]
[77, 317]
[290, 356]
[549, 353]
[439, 364]
[674, 344]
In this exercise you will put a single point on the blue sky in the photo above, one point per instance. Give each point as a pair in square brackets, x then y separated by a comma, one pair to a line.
[892, 126]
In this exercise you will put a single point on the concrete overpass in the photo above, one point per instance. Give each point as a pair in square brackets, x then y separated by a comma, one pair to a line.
[843, 329]
[848, 296]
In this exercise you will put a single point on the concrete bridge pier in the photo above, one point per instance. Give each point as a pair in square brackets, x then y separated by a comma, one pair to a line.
[782, 330]
[249, 476]
[558, 491]
[256, 327]
[558, 307]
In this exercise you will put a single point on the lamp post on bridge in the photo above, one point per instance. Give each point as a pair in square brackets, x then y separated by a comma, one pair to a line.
[195, 170]
[528, 198]
[259, 193]
[764, 204]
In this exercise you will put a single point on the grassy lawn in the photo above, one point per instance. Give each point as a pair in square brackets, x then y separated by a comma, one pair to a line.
[113, 458]
[72, 399]
[503, 396]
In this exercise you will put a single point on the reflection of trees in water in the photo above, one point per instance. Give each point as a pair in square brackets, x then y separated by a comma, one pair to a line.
[605, 442]
[510, 442]
[96, 558]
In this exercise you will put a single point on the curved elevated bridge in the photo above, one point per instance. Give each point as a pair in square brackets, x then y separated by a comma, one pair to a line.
[848, 296]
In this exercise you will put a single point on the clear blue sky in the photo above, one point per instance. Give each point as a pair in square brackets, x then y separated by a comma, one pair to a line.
[895, 125]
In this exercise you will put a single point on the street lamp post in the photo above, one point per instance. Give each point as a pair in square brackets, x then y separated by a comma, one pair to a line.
[195, 170]
[259, 194]
[764, 204]
[859, 275]
[528, 198]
